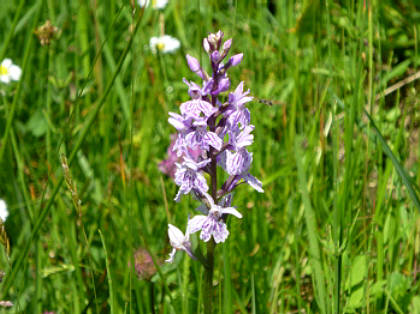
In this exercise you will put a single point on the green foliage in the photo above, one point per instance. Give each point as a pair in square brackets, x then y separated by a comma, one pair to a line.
[338, 227]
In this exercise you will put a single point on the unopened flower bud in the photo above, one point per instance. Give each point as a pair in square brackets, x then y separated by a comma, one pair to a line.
[219, 35]
[227, 44]
[215, 57]
[206, 45]
[236, 59]
[193, 63]
[224, 84]
[215, 40]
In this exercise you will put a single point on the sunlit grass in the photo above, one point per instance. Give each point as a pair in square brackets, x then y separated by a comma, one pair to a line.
[337, 228]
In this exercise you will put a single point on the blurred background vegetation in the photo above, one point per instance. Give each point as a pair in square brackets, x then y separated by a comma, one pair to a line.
[337, 149]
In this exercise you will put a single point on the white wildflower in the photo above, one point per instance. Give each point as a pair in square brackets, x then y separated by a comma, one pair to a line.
[3, 210]
[9, 71]
[156, 4]
[164, 44]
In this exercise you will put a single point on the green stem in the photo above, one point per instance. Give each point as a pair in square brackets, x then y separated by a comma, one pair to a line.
[208, 278]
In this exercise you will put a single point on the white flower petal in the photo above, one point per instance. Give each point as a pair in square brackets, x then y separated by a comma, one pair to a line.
[156, 4]
[15, 72]
[171, 256]
[209, 199]
[5, 79]
[196, 223]
[176, 237]
[231, 211]
[7, 63]
[3, 210]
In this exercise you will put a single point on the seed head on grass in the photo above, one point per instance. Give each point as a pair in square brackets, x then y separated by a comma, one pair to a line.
[46, 33]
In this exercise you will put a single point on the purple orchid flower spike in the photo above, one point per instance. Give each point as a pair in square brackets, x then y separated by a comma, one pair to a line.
[212, 225]
[179, 241]
[211, 133]
[188, 177]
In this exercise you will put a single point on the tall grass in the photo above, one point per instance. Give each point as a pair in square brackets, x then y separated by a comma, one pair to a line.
[337, 229]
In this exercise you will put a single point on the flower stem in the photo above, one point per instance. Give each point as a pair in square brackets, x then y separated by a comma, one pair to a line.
[208, 272]
[208, 278]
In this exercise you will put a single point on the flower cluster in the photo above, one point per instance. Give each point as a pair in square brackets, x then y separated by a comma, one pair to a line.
[212, 131]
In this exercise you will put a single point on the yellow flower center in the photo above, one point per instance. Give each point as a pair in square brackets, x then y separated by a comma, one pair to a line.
[3, 70]
[160, 46]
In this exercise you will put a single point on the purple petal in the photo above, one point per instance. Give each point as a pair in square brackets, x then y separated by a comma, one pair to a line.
[236, 59]
[193, 108]
[196, 223]
[193, 63]
[245, 138]
[239, 162]
[227, 44]
[205, 236]
[201, 184]
[220, 232]
[177, 121]
[213, 140]
[215, 56]
[254, 183]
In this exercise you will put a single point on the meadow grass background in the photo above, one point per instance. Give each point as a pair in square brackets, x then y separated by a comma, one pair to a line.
[337, 229]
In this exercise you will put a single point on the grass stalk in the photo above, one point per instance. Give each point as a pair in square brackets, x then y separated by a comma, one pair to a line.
[44, 212]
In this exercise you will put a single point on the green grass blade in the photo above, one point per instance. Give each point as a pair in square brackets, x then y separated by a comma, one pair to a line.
[109, 276]
[400, 169]
[314, 250]
[12, 30]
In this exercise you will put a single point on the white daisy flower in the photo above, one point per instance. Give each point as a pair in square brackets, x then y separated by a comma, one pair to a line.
[164, 44]
[3, 210]
[9, 71]
[156, 4]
